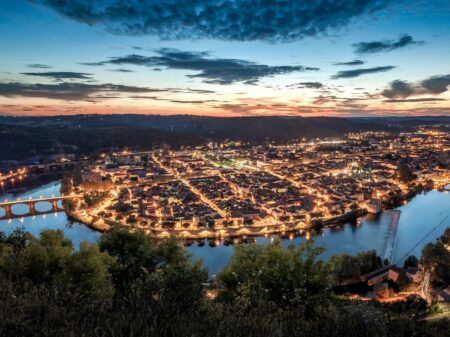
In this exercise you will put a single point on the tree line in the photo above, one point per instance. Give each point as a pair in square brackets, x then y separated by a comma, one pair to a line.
[132, 285]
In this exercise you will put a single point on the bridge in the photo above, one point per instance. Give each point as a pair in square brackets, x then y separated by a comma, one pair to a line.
[31, 203]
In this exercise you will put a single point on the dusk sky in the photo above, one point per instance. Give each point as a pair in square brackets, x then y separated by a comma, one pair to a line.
[225, 58]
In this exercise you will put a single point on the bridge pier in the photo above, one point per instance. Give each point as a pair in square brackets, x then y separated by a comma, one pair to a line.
[32, 208]
[8, 212]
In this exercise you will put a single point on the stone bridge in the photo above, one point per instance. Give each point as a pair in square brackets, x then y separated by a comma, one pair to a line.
[31, 203]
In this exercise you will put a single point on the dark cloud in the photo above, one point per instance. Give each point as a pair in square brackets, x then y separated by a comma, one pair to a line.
[121, 70]
[358, 72]
[434, 85]
[384, 46]
[91, 64]
[398, 89]
[62, 75]
[38, 66]
[210, 69]
[75, 91]
[350, 63]
[69, 91]
[309, 85]
[241, 20]
[414, 100]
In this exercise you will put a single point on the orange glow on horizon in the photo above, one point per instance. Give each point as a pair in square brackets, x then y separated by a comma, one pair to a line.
[242, 107]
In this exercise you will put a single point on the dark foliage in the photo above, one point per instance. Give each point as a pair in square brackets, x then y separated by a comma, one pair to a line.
[132, 285]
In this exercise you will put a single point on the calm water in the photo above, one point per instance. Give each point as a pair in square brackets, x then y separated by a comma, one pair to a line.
[417, 218]
[73, 231]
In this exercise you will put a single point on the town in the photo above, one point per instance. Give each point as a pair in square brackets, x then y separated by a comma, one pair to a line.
[235, 189]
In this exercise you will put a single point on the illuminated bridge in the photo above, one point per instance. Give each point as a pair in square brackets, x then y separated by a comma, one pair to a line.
[31, 203]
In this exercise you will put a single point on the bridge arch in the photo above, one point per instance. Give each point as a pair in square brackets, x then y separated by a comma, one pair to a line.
[43, 206]
[19, 209]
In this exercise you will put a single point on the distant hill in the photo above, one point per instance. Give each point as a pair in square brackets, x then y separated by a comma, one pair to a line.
[405, 121]
[24, 137]
[18, 142]
[246, 128]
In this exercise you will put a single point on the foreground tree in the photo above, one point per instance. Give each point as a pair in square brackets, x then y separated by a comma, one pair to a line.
[88, 269]
[349, 268]
[286, 277]
[445, 238]
[266, 291]
[50, 260]
[436, 260]
[163, 268]
[411, 261]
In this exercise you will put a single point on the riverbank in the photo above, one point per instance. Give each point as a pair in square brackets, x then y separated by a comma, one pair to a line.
[102, 225]
[95, 223]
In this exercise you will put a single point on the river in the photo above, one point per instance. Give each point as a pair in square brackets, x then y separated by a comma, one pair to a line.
[417, 218]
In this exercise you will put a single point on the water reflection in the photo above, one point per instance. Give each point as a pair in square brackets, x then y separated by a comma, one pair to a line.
[371, 233]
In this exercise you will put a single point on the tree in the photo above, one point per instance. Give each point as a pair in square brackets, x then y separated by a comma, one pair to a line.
[411, 261]
[436, 260]
[404, 173]
[50, 261]
[87, 271]
[345, 268]
[351, 268]
[140, 258]
[286, 277]
[445, 238]
[369, 261]
[134, 254]
[43, 260]
[354, 207]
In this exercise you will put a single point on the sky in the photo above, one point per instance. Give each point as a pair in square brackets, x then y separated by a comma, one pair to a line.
[225, 58]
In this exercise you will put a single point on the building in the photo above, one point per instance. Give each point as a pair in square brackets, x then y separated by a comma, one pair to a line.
[374, 206]
[91, 177]
[443, 295]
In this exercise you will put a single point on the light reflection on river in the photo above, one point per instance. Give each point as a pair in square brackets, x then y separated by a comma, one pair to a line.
[416, 220]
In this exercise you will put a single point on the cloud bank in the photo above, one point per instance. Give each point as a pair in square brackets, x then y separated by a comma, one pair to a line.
[400, 89]
[210, 70]
[385, 46]
[61, 75]
[38, 66]
[350, 63]
[358, 72]
[81, 91]
[234, 20]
